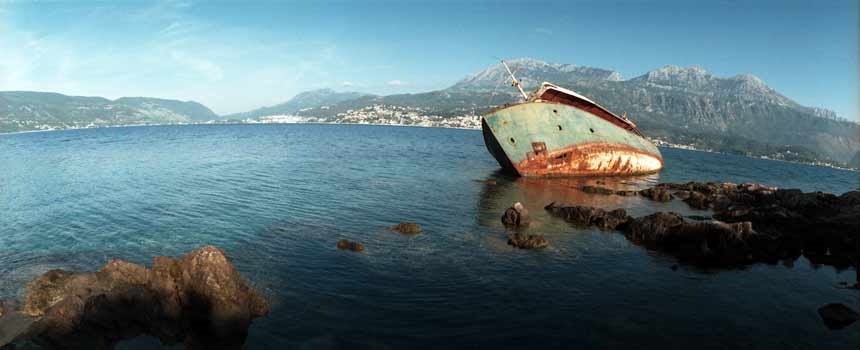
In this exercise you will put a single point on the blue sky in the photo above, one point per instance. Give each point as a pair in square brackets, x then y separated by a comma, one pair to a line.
[235, 56]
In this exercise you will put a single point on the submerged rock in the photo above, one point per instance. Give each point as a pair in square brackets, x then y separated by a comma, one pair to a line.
[524, 241]
[199, 299]
[350, 245]
[837, 316]
[516, 216]
[406, 228]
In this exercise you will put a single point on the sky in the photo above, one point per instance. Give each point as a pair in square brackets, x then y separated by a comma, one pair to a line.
[235, 56]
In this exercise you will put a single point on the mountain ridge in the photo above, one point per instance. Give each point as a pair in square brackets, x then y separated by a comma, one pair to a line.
[680, 105]
[28, 110]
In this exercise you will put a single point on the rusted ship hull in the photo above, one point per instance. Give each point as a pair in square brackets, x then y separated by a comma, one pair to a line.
[543, 137]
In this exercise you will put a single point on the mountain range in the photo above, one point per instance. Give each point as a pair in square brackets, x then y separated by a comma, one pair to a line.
[682, 105]
[27, 110]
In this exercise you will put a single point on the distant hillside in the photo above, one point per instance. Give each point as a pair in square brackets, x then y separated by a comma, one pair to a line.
[25, 110]
[738, 114]
[309, 99]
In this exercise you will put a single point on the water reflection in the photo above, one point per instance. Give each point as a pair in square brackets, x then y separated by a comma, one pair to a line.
[500, 191]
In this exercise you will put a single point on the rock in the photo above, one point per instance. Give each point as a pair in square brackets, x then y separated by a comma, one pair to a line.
[524, 241]
[590, 216]
[658, 194]
[820, 226]
[199, 299]
[837, 316]
[705, 243]
[516, 216]
[349, 245]
[406, 228]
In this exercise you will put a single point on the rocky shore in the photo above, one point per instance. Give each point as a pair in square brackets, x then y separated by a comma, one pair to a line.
[753, 223]
[199, 300]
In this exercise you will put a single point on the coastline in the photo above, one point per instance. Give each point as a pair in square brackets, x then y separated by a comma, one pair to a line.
[659, 144]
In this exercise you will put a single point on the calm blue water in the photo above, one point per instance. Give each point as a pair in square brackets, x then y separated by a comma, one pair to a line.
[278, 197]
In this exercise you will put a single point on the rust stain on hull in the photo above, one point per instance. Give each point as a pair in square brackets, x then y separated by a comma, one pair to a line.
[599, 158]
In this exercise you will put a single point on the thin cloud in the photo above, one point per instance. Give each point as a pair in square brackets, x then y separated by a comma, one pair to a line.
[347, 84]
[396, 83]
[209, 70]
[542, 30]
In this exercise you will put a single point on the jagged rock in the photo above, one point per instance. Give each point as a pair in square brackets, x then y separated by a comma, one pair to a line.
[349, 245]
[705, 242]
[406, 228]
[199, 299]
[590, 216]
[821, 226]
[524, 241]
[516, 216]
[837, 316]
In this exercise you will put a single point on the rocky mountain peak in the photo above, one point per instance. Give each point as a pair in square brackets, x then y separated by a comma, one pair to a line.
[692, 74]
[532, 72]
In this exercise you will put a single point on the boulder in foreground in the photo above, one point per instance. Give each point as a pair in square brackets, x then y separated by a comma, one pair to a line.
[837, 316]
[516, 216]
[199, 299]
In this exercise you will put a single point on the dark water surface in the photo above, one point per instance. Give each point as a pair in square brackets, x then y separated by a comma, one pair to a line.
[278, 197]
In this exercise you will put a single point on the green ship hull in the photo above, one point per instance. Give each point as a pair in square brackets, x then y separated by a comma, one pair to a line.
[546, 138]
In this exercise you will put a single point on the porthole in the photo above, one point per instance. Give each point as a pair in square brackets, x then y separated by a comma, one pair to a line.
[555, 111]
[590, 129]
[512, 140]
[559, 127]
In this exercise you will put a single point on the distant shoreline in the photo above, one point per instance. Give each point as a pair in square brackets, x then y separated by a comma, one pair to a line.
[664, 144]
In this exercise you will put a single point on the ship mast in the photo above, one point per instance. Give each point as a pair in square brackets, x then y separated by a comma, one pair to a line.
[515, 82]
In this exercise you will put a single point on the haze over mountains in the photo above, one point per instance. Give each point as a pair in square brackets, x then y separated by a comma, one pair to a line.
[687, 105]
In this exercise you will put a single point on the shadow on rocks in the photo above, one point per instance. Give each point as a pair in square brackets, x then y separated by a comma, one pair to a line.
[199, 300]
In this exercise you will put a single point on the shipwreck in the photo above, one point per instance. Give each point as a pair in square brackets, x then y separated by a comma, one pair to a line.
[558, 132]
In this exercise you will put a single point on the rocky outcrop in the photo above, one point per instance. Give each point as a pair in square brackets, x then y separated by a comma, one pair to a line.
[699, 242]
[199, 299]
[524, 241]
[590, 216]
[702, 242]
[788, 223]
[350, 245]
[657, 194]
[837, 316]
[823, 227]
[406, 228]
[516, 216]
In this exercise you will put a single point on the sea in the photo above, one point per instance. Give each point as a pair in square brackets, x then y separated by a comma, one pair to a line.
[277, 198]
